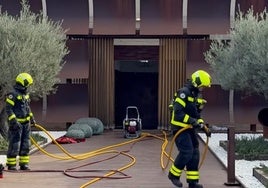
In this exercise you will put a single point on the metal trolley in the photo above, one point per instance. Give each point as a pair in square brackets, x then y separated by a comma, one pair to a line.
[132, 125]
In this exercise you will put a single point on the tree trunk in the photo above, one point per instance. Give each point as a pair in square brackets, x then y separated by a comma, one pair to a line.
[231, 106]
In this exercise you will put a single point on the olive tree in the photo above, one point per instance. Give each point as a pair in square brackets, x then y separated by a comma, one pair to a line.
[241, 63]
[29, 43]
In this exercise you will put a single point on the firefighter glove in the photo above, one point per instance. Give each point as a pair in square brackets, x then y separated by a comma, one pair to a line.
[206, 130]
[197, 125]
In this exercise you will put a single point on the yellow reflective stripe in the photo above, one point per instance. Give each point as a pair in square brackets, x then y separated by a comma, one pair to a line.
[11, 161]
[11, 117]
[31, 114]
[175, 171]
[191, 99]
[24, 159]
[180, 101]
[177, 123]
[200, 121]
[192, 175]
[201, 101]
[22, 120]
[20, 97]
[186, 118]
[10, 101]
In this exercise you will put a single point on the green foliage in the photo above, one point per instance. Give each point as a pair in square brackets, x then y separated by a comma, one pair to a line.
[96, 124]
[37, 137]
[264, 169]
[4, 143]
[84, 127]
[31, 43]
[241, 63]
[75, 133]
[251, 146]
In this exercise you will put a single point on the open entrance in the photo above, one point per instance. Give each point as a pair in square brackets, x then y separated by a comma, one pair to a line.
[136, 84]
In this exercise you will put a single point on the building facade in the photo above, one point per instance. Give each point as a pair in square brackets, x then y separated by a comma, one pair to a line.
[137, 53]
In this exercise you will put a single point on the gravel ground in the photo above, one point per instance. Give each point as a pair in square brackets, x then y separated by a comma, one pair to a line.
[243, 168]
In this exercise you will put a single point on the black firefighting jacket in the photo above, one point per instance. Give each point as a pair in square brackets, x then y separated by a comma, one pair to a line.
[17, 106]
[185, 104]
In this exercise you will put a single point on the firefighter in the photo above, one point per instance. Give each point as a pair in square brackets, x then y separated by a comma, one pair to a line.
[186, 109]
[20, 119]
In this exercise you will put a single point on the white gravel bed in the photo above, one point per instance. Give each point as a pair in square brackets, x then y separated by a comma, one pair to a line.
[243, 168]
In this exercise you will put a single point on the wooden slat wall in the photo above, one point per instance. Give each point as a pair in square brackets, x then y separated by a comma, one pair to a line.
[101, 80]
[172, 60]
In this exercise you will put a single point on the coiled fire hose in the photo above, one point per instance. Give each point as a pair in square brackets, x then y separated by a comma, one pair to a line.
[169, 154]
[110, 149]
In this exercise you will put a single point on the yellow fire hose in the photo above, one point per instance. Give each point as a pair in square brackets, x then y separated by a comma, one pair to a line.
[110, 149]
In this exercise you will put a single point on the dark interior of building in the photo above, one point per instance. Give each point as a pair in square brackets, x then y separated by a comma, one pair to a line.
[140, 90]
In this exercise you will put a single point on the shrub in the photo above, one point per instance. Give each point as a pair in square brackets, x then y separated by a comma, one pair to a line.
[75, 133]
[94, 123]
[251, 146]
[84, 127]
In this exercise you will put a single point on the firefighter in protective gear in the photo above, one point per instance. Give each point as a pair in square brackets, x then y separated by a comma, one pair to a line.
[186, 108]
[20, 119]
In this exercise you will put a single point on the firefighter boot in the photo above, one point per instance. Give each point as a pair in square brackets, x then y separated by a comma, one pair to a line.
[175, 180]
[195, 185]
[11, 168]
[24, 167]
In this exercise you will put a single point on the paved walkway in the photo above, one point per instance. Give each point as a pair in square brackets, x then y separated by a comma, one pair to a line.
[145, 173]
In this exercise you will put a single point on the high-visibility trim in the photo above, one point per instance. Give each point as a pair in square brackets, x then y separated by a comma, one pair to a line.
[192, 175]
[200, 121]
[180, 101]
[24, 159]
[175, 171]
[186, 118]
[13, 116]
[20, 97]
[11, 161]
[191, 99]
[201, 101]
[177, 123]
[24, 120]
[9, 101]
[31, 114]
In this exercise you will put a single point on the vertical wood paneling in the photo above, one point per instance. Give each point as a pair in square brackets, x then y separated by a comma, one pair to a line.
[172, 59]
[101, 80]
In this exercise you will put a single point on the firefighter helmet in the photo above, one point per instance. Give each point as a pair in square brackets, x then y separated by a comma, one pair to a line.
[24, 79]
[201, 78]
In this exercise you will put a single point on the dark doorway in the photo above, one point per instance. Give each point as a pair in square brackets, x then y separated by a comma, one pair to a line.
[136, 84]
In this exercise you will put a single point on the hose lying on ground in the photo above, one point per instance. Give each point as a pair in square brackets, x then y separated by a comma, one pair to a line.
[110, 150]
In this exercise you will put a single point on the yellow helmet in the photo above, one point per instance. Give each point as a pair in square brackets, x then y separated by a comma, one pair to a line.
[201, 78]
[24, 79]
